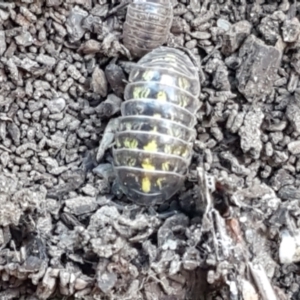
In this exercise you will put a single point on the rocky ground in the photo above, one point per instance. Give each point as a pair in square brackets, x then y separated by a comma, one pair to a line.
[66, 230]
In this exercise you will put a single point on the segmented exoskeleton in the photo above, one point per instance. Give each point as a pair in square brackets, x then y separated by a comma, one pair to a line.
[147, 25]
[154, 142]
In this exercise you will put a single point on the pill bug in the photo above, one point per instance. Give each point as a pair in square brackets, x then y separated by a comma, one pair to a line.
[147, 25]
[153, 144]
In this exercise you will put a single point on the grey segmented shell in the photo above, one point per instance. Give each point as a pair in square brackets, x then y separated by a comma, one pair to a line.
[147, 25]
[156, 132]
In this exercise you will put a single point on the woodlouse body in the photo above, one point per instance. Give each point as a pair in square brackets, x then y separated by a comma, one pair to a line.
[156, 130]
[148, 23]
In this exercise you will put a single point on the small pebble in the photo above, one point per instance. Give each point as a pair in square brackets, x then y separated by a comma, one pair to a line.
[294, 147]
[56, 105]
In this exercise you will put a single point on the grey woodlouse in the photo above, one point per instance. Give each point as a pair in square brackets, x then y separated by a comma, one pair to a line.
[153, 144]
[147, 25]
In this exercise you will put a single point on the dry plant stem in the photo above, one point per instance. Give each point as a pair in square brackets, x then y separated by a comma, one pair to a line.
[262, 282]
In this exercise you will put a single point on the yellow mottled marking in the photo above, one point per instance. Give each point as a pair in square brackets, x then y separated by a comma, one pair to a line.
[161, 96]
[170, 57]
[148, 75]
[177, 150]
[157, 115]
[118, 143]
[146, 185]
[185, 153]
[159, 182]
[165, 166]
[131, 162]
[183, 101]
[147, 165]
[128, 125]
[181, 116]
[130, 143]
[141, 92]
[154, 129]
[168, 149]
[151, 146]
[175, 132]
[183, 83]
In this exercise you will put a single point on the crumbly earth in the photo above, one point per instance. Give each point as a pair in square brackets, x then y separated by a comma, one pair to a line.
[66, 230]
